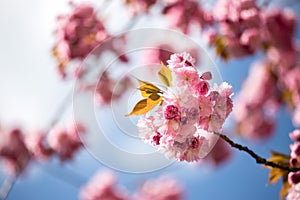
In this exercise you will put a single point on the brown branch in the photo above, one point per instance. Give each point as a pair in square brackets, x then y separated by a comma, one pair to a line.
[257, 158]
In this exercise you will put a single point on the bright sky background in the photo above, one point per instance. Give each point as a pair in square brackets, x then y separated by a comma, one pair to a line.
[31, 91]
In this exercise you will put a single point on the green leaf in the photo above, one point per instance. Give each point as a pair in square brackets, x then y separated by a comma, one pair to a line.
[165, 75]
[147, 89]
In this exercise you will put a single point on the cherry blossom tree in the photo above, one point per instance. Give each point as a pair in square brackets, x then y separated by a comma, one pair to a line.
[184, 113]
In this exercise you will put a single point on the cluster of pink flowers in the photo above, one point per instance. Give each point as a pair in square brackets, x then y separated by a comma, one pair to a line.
[294, 177]
[273, 82]
[77, 34]
[191, 109]
[182, 13]
[163, 188]
[104, 186]
[239, 27]
[256, 103]
[17, 149]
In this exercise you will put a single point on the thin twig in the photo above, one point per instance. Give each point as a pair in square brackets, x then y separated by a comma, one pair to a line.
[257, 158]
[7, 186]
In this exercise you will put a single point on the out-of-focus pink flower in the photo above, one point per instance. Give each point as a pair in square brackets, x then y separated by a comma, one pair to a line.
[106, 89]
[36, 144]
[239, 27]
[163, 188]
[140, 6]
[220, 153]
[103, 186]
[181, 13]
[256, 126]
[294, 192]
[295, 135]
[296, 116]
[65, 143]
[279, 28]
[13, 152]
[77, 34]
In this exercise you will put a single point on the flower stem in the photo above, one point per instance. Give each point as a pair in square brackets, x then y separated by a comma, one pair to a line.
[258, 159]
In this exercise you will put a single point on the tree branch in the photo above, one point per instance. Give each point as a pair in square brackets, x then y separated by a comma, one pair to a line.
[257, 158]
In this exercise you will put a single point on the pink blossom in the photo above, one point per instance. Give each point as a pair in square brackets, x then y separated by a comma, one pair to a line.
[239, 27]
[189, 111]
[179, 60]
[172, 112]
[13, 152]
[294, 178]
[295, 149]
[294, 192]
[181, 13]
[163, 188]
[280, 26]
[102, 186]
[295, 135]
[220, 153]
[256, 126]
[187, 75]
[195, 147]
[140, 6]
[106, 90]
[296, 116]
[36, 144]
[65, 143]
[206, 76]
[202, 88]
[78, 32]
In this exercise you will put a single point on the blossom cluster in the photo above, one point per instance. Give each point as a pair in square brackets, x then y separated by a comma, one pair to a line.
[104, 185]
[190, 111]
[77, 34]
[294, 177]
[17, 149]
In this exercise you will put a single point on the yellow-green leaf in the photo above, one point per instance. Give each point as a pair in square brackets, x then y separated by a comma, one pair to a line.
[138, 108]
[275, 175]
[279, 158]
[145, 105]
[147, 89]
[284, 190]
[165, 75]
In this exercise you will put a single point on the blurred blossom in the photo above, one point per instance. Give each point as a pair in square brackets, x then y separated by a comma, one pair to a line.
[103, 186]
[219, 154]
[77, 34]
[182, 13]
[139, 6]
[279, 28]
[163, 188]
[108, 89]
[239, 28]
[65, 143]
[13, 152]
[253, 103]
[37, 145]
